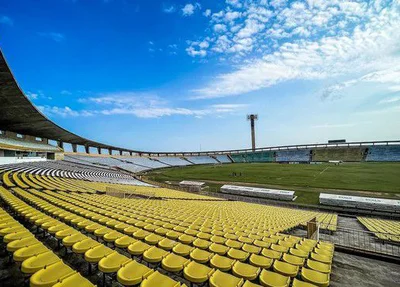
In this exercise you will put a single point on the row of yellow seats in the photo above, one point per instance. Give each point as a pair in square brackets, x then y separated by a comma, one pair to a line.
[192, 268]
[200, 253]
[108, 260]
[383, 229]
[37, 261]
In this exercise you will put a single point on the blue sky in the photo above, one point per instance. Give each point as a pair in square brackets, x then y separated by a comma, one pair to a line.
[183, 75]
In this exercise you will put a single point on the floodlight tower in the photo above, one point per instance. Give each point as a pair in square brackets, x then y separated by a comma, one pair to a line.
[252, 118]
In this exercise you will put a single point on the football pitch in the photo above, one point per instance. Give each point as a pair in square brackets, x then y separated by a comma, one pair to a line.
[308, 180]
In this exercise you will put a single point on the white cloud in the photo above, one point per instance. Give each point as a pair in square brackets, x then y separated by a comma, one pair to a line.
[219, 28]
[207, 13]
[390, 100]
[32, 96]
[63, 111]
[139, 105]
[57, 37]
[189, 9]
[372, 48]
[169, 9]
[234, 3]
[6, 20]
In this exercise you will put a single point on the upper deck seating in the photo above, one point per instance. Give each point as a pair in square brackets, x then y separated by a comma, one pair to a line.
[383, 153]
[301, 155]
[201, 159]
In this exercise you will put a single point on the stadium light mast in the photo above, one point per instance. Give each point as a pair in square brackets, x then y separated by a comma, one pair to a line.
[252, 118]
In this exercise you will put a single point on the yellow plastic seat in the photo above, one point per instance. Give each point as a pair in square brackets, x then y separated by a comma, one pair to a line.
[113, 262]
[201, 243]
[260, 261]
[321, 258]
[182, 249]
[222, 263]
[204, 235]
[100, 232]
[279, 248]
[12, 229]
[96, 253]
[158, 279]
[153, 239]
[238, 254]
[72, 239]
[130, 230]
[84, 245]
[174, 263]
[245, 271]
[318, 266]
[121, 226]
[271, 254]
[92, 227]
[154, 254]
[315, 277]
[287, 244]
[261, 244]
[324, 252]
[133, 273]
[29, 251]
[299, 252]
[186, 239]
[173, 234]
[233, 244]
[251, 248]
[197, 273]
[273, 279]
[294, 260]
[138, 248]
[285, 268]
[218, 239]
[50, 275]
[250, 284]
[200, 256]
[65, 233]
[35, 263]
[218, 248]
[298, 283]
[140, 234]
[17, 236]
[124, 241]
[24, 242]
[167, 244]
[54, 229]
[221, 279]
[112, 236]
[74, 280]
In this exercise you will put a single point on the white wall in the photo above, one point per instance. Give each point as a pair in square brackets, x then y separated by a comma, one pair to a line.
[9, 160]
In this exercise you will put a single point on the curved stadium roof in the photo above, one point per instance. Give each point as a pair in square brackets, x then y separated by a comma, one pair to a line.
[18, 114]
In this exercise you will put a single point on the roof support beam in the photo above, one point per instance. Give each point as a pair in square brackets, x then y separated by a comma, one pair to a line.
[74, 147]
[87, 149]
[99, 150]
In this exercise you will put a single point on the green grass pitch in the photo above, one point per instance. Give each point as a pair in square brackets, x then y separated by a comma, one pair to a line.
[368, 179]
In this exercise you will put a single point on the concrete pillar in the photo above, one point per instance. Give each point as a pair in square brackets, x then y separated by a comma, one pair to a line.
[74, 147]
[130, 153]
[87, 149]
[110, 151]
[99, 150]
[60, 144]
[120, 152]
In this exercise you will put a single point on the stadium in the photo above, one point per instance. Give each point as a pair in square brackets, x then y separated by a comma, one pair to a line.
[77, 212]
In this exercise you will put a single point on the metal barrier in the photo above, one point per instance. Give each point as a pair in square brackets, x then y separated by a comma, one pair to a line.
[362, 240]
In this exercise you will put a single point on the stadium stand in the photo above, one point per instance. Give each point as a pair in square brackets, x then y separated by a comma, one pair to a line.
[359, 202]
[201, 159]
[223, 158]
[264, 156]
[9, 143]
[258, 192]
[383, 153]
[334, 153]
[144, 162]
[173, 161]
[388, 230]
[302, 155]
[190, 240]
